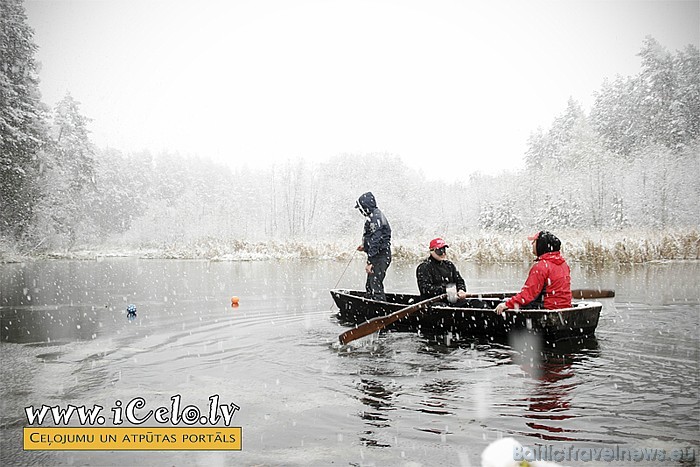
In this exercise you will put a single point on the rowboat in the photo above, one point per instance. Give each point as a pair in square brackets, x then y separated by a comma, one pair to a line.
[476, 319]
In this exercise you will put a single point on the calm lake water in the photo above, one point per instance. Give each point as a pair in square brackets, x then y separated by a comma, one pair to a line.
[399, 399]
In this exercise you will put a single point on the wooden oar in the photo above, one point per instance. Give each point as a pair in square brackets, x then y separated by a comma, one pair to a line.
[380, 322]
[592, 293]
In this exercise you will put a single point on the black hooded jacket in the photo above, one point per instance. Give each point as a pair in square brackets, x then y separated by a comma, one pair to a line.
[376, 239]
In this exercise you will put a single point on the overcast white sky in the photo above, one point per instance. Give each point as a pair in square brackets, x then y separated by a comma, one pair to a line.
[459, 84]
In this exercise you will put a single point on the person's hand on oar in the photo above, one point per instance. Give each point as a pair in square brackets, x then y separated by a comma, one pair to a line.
[501, 308]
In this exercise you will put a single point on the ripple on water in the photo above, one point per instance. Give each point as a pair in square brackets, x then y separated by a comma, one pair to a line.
[379, 399]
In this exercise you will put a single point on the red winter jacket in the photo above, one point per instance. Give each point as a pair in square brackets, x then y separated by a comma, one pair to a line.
[550, 269]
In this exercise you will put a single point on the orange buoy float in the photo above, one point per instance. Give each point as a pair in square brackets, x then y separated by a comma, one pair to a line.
[234, 301]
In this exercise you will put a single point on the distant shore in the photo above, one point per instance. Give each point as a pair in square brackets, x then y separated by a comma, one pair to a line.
[599, 248]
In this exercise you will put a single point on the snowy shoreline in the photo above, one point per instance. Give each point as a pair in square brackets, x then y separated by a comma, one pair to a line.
[624, 247]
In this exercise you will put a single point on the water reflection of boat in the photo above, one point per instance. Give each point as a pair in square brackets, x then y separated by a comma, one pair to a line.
[549, 404]
[476, 319]
[379, 400]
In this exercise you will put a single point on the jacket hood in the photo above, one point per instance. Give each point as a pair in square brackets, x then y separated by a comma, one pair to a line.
[366, 203]
[553, 257]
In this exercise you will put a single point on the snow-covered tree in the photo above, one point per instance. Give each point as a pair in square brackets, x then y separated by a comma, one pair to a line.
[615, 115]
[68, 179]
[618, 214]
[22, 121]
[560, 212]
[659, 106]
[548, 150]
[295, 196]
[123, 187]
[659, 97]
[686, 107]
[501, 217]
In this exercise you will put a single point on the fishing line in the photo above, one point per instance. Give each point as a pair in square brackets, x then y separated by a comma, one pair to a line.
[346, 268]
[341, 276]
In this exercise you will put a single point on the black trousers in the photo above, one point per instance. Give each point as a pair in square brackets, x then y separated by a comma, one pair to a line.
[375, 281]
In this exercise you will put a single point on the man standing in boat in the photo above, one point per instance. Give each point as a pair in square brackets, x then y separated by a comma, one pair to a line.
[376, 242]
[436, 274]
[548, 284]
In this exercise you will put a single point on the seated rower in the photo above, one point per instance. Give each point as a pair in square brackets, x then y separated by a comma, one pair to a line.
[436, 273]
[548, 284]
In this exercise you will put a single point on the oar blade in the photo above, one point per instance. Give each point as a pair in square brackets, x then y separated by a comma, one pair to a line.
[364, 329]
[380, 322]
[587, 294]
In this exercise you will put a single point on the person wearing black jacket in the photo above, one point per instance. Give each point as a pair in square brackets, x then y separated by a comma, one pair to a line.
[436, 273]
[376, 242]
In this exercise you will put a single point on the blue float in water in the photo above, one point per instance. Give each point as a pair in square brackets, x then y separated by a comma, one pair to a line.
[131, 310]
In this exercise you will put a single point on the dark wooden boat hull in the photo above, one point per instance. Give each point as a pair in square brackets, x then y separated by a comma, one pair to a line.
[477, 319]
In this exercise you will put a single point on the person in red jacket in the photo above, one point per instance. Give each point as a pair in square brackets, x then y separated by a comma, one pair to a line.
[548, 284]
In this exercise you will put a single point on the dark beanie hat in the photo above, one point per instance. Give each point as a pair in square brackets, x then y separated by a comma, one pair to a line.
[547, 242]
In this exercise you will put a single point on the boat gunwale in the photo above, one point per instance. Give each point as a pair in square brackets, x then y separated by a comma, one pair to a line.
[578, 305]
[555, 325]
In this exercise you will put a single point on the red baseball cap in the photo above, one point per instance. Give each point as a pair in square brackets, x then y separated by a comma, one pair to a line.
[438, 243]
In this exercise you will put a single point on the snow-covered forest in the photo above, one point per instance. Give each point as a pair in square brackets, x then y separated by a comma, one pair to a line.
[618, 182]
